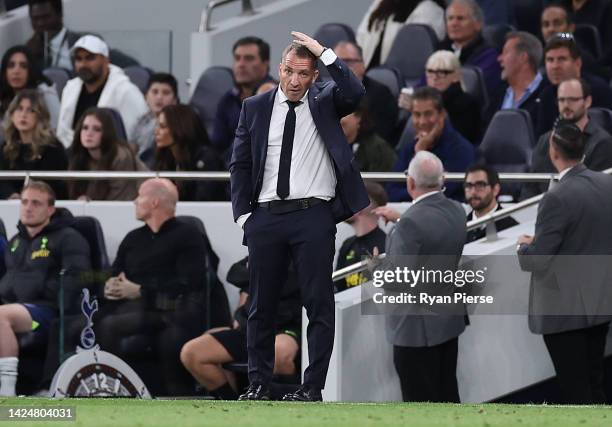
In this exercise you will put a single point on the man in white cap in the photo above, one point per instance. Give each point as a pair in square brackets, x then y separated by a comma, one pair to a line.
[98, 83]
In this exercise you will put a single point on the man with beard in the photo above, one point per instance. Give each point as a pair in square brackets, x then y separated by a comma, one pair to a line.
[563, 60]
[482, 187]
[574, 100]
[98, 83]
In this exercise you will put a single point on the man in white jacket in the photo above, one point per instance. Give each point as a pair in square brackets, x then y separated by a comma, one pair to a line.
[98, 83]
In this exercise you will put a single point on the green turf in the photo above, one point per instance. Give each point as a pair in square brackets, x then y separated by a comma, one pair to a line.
[179, 413]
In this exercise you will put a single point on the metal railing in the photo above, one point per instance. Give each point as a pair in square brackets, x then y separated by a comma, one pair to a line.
[247, 10]
[488, 220]
[225, 176]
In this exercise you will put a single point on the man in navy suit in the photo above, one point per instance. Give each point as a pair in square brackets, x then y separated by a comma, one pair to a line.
[293, 178]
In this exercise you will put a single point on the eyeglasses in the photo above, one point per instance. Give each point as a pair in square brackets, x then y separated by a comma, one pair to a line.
[478, 185]
[439, 73]
[570, 99]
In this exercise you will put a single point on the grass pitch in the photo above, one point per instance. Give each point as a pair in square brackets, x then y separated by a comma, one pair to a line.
[179, 413]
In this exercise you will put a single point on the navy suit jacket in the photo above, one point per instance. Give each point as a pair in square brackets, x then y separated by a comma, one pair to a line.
[328, 102]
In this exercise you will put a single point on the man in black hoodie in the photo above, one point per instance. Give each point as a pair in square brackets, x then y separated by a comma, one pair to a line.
[43, 246]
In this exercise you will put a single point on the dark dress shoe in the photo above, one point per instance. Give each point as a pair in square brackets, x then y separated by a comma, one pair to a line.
[304, 394]
[256, 392]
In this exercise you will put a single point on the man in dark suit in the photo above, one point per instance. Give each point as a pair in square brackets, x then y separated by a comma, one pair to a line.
[569, 258]
[481, 186]
[430, 236]
[289, 195]
[574, 100]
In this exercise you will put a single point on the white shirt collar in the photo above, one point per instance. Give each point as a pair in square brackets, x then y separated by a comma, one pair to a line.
[423, 196]
[59, 37]
[281, 97]
[565, 171]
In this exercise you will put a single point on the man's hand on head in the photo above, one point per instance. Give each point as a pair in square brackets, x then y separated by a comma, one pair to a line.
[311, 44]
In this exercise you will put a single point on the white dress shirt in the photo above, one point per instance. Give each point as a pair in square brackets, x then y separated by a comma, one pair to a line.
[59, 51]
[312, 171]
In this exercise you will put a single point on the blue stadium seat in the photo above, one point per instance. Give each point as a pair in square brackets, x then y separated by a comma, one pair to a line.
[472, 82]
[332, 33]
[212, 85]
[495, 35]
[390, 77]
[411, 48]
[139, 75]
[59, 76]
[508, 143]
[602, 117]
[587, 36]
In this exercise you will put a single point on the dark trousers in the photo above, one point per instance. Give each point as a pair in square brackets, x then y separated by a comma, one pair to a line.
[307, 238]
[578, 358]
[428, 374]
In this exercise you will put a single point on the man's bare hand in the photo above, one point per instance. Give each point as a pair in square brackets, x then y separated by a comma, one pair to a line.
[427, 140]
[525, 239]
[387, 213]
[111, 289]
[308, 42]
[124, 288]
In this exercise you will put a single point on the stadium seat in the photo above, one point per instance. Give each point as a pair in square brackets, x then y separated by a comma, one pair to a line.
[508, 143]
[139, 76]
[390, 77]
[59, 76]
[587, 36]
[411, 48]
[472, 82]
[118, 121]
[527, 15]
[330, 35]
[495, 35]
[212, 85]
[602, 117]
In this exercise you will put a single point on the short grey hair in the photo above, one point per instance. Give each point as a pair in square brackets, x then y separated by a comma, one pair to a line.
[477, 12]
[427, 171]
[529, 44]
[443, 59]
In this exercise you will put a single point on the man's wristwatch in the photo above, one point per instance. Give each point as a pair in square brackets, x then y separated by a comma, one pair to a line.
[323, 51]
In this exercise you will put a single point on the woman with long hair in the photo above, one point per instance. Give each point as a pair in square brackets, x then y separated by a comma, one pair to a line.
[182, 144]
[96, 147]
[18, 71]
[30, 142]
[385, 18]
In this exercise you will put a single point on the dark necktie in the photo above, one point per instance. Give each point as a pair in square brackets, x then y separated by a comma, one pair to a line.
[284, 167]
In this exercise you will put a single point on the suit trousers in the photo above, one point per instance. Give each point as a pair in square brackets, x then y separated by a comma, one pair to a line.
[428, 374]
[305, 237]
[578, 358]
